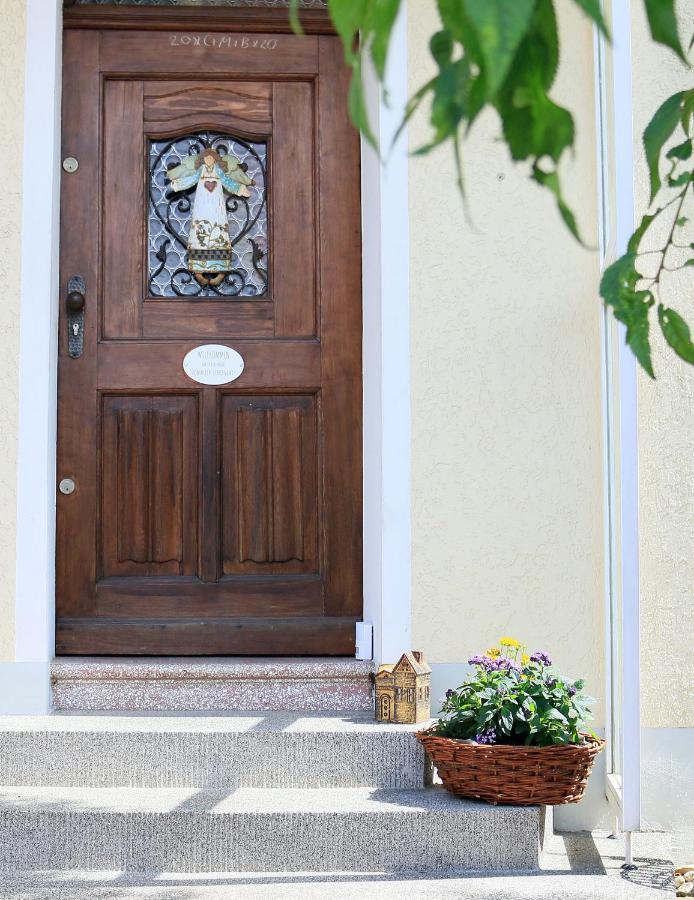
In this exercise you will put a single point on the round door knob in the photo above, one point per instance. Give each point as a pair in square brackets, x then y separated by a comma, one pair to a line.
[75, 301]
[67, 486]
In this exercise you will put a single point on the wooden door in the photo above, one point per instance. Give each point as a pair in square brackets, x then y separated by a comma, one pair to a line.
[208, 519]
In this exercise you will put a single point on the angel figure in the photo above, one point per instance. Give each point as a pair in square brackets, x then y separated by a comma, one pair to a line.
[209, 242]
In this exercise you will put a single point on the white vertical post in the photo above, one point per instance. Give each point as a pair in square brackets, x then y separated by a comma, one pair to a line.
[628, 471]
[386, 361]
[34, 621]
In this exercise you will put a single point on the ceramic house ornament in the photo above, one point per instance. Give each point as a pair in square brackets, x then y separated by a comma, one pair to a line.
[209, 242]
[403, 690]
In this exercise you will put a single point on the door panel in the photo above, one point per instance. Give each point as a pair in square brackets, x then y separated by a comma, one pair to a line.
[149, 509]
[210, 520]
[269, 485]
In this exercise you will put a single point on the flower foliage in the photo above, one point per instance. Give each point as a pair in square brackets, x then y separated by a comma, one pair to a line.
[515, 698]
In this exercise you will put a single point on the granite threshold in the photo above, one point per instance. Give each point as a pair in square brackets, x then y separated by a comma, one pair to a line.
[211, 683]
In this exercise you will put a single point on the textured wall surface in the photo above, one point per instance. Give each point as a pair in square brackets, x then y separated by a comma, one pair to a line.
[666, 443]
[507, 471]
[11, 142]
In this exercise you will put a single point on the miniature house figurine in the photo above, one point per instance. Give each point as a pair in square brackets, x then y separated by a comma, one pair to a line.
[403, 690]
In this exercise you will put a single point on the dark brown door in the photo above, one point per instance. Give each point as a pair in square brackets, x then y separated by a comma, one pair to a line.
[208, 519]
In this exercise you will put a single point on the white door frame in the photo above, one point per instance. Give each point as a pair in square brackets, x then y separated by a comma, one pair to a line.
[385, 368]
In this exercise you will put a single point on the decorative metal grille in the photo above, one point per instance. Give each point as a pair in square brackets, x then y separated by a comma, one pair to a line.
[306, 4]
[170, 214]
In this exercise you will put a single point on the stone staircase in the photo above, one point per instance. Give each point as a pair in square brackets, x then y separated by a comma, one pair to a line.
[240, 792]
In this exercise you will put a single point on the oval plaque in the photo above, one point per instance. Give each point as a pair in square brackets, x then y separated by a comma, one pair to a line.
[213, 364]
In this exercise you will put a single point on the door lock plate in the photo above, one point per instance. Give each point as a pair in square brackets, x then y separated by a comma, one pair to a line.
[75, 316]
[67, 486]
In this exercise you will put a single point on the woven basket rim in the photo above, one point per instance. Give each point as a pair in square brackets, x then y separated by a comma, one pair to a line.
[589, 742]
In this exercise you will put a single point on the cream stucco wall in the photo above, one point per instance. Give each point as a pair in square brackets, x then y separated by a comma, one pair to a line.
[12, 39]
[506, 391]
[666, 441]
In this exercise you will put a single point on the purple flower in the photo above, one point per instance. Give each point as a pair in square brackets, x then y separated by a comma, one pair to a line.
[479, 660]
[504, 663]
[539, 656]
[486, 737]
[449, 694]
[571, 691]
[551, 683]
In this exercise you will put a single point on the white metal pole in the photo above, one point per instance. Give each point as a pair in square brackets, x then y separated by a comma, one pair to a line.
[628, 437]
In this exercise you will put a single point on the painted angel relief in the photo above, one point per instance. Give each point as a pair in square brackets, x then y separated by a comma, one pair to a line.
[209, 253]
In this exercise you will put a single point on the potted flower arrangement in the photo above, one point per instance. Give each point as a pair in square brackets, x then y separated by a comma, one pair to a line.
[514, 731]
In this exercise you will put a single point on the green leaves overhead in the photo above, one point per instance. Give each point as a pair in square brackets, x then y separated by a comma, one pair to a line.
[667, 117]
[503, 55]
[663, 24]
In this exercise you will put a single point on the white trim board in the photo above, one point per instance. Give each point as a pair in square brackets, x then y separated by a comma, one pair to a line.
[385, 360]
[35, 591]
[386, 363]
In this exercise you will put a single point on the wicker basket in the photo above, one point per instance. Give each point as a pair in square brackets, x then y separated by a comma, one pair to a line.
[524, 776]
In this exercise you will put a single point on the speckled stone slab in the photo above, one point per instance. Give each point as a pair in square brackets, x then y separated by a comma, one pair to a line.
[181, 750]
[273, 830]
[141, 683]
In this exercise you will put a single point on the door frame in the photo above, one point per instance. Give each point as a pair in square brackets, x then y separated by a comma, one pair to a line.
[385, 364]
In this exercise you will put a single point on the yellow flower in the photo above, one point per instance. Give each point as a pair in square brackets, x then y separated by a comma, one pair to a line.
[525, 659]
[493, 652]
[509, 642]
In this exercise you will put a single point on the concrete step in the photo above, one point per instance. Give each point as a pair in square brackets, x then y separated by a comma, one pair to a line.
[250, 830]
[54, 885]
[258, 750]
[224, 683]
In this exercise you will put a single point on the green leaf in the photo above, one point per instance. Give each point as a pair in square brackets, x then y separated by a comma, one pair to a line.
[294, 20]
[663, 24]
[676, 332]
[594, 10]
[550, 180]
[450, 103]
[500, 26]
[378, 27]
[687, 110]
[681, 151]
[348, 17]
[630, 307]
[441, 47]
[454, 18]
[412, 106]
[683, 178]
[506, 719]
[533, 125]
[642, 228]
[657, 132]
[681, 222]
[357, 104]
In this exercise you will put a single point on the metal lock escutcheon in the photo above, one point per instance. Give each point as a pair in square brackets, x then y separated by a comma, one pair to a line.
[74, 307]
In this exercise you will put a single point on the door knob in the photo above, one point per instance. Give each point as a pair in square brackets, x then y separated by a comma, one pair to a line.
[75, 301]
[74, 306]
